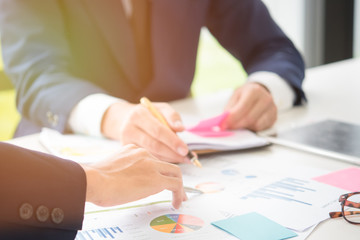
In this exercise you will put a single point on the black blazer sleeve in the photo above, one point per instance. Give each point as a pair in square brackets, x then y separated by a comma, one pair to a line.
[42, 196]
[246, 29]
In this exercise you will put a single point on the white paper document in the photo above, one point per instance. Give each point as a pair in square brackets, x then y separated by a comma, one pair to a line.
[79, 148]
[295, 203]
[228, 187]
[154, 221]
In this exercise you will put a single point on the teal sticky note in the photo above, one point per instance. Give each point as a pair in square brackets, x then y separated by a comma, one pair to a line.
[253, 226]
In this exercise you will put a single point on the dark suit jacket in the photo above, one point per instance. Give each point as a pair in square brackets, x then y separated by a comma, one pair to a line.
[58, 51]
[39, 181]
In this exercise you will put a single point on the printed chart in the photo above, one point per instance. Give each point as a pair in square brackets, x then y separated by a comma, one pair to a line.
[295, 203]
[101, 233]
[286, 189]
[176, 223]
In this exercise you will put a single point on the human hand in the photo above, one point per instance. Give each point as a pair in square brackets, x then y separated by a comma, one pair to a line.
[132, 175]
[135, 124]
[252, 107]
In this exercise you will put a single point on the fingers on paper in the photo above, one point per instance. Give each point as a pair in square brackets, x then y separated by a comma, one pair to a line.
[171, 179]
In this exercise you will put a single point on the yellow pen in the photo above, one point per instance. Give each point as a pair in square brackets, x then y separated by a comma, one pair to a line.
[146, 103]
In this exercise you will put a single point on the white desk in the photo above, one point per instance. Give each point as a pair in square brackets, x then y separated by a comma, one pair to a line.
[333, 91]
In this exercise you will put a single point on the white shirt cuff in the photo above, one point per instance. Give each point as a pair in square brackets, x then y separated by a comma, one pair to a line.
[281, 91]
[87, 115]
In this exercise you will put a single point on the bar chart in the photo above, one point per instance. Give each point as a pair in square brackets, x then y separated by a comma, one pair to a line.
[286, 189]
[101, 233]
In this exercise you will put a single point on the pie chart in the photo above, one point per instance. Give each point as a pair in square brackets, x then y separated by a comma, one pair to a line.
[176, 223]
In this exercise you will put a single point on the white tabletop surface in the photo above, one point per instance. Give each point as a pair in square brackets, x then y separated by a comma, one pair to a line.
[333, 91]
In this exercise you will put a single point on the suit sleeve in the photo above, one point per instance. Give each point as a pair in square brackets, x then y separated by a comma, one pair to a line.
[246, 29]
[40, 194]
[36, 58]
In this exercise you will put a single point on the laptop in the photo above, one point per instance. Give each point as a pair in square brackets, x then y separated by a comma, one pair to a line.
[331, 138]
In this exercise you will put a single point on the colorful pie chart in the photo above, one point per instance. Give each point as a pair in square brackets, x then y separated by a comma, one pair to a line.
[176, 223]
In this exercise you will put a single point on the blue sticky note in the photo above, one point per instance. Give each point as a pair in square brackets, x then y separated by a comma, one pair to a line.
[253, 226]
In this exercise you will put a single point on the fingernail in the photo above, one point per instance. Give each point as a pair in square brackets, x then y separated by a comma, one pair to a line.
[186, 197]
[187, 160]
[182, 151]
[178, 124]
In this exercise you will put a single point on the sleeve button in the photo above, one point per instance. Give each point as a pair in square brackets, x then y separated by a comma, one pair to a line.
[26, 211]
[53, 119]
[57, 215]
[42, 213]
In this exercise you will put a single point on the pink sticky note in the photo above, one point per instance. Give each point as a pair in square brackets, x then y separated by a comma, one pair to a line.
[347, 179]
[211, 127]
[210, 124]
[213, 133]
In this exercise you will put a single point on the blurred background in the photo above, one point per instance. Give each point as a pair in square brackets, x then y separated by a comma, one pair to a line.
[9, 116]
[324, 31]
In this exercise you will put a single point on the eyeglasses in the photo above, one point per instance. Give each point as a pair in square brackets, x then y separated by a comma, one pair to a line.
[350, 208]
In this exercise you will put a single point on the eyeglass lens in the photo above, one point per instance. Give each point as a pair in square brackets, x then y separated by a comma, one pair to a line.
[354, 211]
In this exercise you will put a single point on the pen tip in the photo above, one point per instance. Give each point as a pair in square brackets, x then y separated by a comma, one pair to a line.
[194, 159]
[197, 163]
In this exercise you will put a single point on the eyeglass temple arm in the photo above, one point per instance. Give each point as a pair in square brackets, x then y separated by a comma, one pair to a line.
[351, 204]
[345, 202]
[340, 214]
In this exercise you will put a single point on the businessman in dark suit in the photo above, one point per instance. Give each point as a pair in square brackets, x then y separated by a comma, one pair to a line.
[43, 197]
[82, 66]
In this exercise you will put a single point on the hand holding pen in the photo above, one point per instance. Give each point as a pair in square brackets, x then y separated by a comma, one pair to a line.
[135, 124]
[146, 103]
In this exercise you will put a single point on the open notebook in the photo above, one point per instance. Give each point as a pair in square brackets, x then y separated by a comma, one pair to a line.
[331, 138]
[210, 135]
[239, 140]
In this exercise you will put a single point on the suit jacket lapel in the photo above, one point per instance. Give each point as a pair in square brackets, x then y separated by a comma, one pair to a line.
[112, 22]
